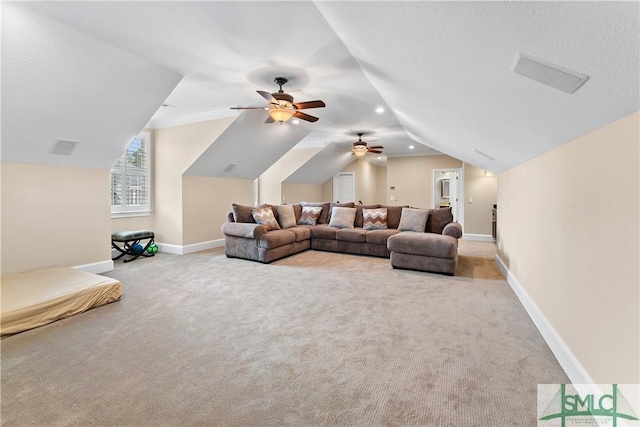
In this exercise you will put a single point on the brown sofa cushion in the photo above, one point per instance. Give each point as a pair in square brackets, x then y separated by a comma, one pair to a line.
[413, 220]
[277, 238]
[297, 210]
[393, 215]
[301, 232]
[438, 219]
[424, 244]
[323, 232]
[379, 237]
[242, 213]
[324, 215]
[360, 216]
[355, 235]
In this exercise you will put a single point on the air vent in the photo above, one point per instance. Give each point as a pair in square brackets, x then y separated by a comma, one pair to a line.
[64, 147]
[230, 167]
[549, 74]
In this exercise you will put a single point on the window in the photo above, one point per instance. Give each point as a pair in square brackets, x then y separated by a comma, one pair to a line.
[131, 179]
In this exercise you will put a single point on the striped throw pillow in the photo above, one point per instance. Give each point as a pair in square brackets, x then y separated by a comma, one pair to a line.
[374, 219]
[310, 215]
[264, 216]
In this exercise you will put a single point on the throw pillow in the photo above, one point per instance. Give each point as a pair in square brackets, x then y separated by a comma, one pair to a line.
[413, 220]
[324, 214]
[310, 215]
[342, 217]
[264, 216]
[286, 216]
[374, 219]
[438, 219]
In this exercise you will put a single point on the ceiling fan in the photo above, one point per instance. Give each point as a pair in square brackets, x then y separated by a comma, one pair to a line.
[281, 106]
[360, 147]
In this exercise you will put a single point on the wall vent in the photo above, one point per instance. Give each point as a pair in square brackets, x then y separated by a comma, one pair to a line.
[230, 167]
[64, 147]
[548, 74]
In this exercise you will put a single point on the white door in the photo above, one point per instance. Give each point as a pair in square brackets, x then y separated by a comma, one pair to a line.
[343, 187]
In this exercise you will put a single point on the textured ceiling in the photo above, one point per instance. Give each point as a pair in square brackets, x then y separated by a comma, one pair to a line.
[441, 70]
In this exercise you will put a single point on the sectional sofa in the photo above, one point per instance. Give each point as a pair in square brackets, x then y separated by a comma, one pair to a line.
[429, 246]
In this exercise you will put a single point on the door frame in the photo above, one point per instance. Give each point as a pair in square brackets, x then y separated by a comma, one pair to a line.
[335, 185]
[460, 188]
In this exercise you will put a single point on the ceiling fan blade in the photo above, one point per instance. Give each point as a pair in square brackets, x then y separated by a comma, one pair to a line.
[375, 151]
[309, 104]
[268, 97]
[377, 147]
[303, 116]
[269, 120]
[249, 108]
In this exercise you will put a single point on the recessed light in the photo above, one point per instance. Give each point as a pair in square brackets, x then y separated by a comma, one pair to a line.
[379, 110]
[295, 121]
[411, 147]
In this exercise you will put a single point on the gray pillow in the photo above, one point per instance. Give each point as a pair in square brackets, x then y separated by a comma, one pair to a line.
[413, 220]
[342, 217]
[286, 216]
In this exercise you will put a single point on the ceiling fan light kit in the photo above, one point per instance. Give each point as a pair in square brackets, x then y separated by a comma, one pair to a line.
[360, 147]
[281, 106]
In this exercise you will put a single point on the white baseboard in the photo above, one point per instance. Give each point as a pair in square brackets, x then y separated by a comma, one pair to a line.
[478, 237]
[96, 267]
[568, 361]
[189, 249]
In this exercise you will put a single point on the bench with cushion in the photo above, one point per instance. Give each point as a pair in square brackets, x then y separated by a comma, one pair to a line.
[129, 240]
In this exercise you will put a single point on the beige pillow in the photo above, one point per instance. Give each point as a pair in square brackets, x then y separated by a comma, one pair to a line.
[310, 215]
[413, 220]
[264, 216]
[342, 217]
[286, 216]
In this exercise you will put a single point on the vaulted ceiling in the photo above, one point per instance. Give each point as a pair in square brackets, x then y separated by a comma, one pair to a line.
[98, 71]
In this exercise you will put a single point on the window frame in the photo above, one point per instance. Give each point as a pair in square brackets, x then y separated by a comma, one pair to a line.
[124, 210]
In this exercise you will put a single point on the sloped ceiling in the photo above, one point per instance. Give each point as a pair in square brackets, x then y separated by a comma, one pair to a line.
[237, 146]
[324, 165]
[60, 83]
[441, 70]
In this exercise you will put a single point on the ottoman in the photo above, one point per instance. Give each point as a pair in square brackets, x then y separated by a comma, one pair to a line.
[430, 252]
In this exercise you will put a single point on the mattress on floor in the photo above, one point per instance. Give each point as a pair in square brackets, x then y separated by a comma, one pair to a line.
[39, 297]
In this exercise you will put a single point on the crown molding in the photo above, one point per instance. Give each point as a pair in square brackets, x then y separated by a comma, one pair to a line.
[193, 118]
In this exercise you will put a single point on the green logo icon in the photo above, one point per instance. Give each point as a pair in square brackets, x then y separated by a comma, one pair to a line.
[572, 408]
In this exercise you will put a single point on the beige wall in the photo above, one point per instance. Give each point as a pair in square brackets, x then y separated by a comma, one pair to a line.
[367, 179]
[412, 178]
[327, 191]
[568, 230]
[484, 192]
[175, 149]
[382, 187]
[54, 216]
[206, 202]
[270, 182]
[133, 223]
[294, 193]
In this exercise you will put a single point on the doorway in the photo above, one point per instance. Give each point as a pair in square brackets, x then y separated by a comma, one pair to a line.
[344, 187]
[447, 191]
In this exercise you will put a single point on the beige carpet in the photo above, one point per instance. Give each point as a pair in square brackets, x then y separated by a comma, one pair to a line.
[317, 339]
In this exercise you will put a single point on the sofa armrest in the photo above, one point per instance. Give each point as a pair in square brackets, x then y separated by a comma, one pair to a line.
[246, 230]
[452, 229]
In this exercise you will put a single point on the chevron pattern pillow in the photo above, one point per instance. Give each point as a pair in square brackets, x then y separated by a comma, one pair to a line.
[374, 219]
[310, 215]
[264, 216]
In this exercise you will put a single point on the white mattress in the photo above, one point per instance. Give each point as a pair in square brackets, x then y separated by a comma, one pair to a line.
[39, 297]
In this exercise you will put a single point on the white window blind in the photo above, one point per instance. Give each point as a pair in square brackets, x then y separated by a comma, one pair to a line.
[131, 179]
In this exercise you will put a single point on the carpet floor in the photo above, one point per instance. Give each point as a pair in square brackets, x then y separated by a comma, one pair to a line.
[316, 339]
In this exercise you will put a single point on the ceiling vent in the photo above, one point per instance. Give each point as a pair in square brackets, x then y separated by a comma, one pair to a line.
[230, 167]
[549, 74]
[64, 147]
